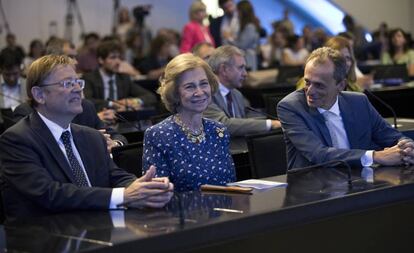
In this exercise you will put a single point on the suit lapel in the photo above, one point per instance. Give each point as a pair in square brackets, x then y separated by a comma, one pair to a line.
[40, 128]
[100, 87]
[320, 124]
[219, 100]
[348, 118]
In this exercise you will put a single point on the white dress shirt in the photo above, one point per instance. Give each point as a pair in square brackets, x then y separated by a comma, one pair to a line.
[224, 91]
[342, 137]
[106, 86]
[117, 195]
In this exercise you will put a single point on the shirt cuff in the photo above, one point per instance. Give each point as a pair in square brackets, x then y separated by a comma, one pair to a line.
[117, 197]
[268, 124]
[367, 158]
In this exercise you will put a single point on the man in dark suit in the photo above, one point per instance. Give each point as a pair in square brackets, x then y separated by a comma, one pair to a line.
[107, 88]
[88, 117]
[50, 165]
[228, 104]
[226, 24]
[323, 123]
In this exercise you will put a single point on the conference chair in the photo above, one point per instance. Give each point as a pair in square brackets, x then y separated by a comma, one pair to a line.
[129, 157]
[267, 154]
[271, 100]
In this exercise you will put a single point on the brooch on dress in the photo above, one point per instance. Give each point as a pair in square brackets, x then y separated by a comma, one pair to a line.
[220, 131]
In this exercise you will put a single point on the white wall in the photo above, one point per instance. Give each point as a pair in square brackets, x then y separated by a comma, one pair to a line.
[370, 13]
[30, 19]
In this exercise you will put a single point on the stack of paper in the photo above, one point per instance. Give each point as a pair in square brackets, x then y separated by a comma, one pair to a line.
[258, 184]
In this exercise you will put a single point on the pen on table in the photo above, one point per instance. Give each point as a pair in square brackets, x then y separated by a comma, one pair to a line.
[227, 210]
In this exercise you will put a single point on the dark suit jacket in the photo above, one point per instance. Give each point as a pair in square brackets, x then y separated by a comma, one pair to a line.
[240, 126]
[88, 117]
[215, 30]
[307, 137]
[37, 179]
[94, 89]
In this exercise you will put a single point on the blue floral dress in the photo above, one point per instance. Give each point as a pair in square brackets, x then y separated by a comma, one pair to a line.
[189, 165]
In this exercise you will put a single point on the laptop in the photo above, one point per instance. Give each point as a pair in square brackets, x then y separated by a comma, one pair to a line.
[391, 75]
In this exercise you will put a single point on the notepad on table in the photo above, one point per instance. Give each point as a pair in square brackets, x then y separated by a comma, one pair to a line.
[258, 184]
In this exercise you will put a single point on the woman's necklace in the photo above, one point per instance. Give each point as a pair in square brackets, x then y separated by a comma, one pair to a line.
[197, 136]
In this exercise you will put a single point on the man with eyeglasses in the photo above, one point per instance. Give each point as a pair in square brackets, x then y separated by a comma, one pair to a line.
[50, 165]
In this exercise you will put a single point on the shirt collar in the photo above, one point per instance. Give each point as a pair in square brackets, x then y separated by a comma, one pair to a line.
[223, 90]
[106, 77]
[334, 109]
[3, 84]
[54, 128]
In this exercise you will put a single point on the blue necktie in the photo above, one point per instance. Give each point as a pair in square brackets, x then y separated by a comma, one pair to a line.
[78, 174]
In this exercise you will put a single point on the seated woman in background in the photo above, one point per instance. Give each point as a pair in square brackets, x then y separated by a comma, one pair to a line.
[342, 45]
[399, 51]
[185, 147]
[153, 65]
[295, 54]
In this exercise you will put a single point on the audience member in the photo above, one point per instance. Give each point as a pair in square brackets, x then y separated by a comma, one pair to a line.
[187, 148]
[50, 165]
[226, 26]
[153, 65]
[195, 32]
[36, 50]
[60, 46]
[203, 50]
[228, 104]
[124, 24]
[12, 48]
[248, 37]
[295, 53]
[322, 122]
[13, 86]
[363, 80]
[87, 60]
[360, 42]
[273, 50]
[287, 23]
[134, 49]
[109, 89]
[399, 51]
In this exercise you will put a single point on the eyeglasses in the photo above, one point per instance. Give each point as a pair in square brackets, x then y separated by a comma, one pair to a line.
[68, 84]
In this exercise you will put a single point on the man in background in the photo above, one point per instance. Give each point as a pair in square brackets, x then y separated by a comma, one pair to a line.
[228, 104]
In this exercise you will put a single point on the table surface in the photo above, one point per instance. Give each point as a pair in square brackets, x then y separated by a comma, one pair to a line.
[207, 217]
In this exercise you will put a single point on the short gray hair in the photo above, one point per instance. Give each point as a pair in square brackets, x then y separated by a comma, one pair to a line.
[223, 55]
[323, 54]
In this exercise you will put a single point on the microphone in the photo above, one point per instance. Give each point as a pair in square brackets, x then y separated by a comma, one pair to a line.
[386, 105]
[332, 163]
[262, 113]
